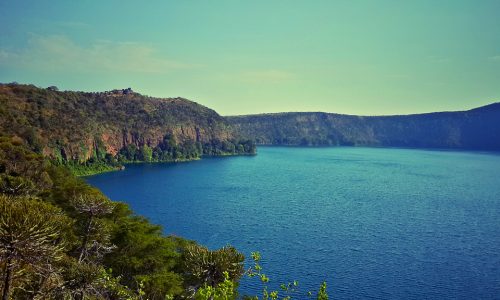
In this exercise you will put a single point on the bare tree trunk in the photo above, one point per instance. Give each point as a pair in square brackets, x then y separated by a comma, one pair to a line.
[8, 279]
[85, 238]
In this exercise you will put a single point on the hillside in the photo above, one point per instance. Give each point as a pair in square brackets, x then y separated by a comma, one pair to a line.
[63, 239]
[116, 126]
[474, 129]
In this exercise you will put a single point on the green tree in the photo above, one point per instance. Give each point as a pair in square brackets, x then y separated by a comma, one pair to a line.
[16, 185]
[83, 280]
[22, 171]
[207, 267]
[30, 239]
[129, 152]
[142, 254]
[95, 235]
[146, 153]
[223, 291]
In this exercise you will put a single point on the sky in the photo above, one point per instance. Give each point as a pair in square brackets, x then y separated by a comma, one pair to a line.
[243, 57]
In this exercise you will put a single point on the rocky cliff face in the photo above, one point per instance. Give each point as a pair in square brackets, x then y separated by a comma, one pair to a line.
[79, 126]
[474, 129]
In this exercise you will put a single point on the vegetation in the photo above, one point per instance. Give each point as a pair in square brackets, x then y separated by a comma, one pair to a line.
[213, 267]
[474, 129]
[62, 239]
[97, 132]
[226, 289]
[29, 239]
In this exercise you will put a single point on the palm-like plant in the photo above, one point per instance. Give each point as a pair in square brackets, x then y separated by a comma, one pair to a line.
[30, 238]
[208, 267]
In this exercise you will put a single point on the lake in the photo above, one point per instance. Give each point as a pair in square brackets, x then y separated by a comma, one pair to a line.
[374, 223]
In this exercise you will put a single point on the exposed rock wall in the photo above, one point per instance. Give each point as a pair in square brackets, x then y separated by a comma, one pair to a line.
[77, 125]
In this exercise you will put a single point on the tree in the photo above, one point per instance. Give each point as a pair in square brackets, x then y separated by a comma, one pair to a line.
[146, 153]
[89, 281]
[16, 185]
[223, 291]
[142, 254]
[95, 238]
[22, 171]
[30, 238]
[129, 152]
[208, 267]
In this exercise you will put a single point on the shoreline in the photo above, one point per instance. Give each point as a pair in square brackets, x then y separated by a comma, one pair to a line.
[89, 172]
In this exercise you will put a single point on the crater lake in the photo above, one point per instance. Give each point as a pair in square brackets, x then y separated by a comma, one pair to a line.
[372, 222]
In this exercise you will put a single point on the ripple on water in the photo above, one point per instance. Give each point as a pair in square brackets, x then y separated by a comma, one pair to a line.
[373, 223]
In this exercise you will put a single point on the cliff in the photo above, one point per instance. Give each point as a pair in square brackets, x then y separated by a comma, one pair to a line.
[121, 124]
[474, 129]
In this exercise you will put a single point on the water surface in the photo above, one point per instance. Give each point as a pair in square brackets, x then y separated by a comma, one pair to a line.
[374, 223]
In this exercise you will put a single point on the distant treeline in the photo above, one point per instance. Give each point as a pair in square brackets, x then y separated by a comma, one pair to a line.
[473, 129]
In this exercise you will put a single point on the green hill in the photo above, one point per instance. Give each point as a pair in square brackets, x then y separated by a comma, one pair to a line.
[100, 130]
[474, 129]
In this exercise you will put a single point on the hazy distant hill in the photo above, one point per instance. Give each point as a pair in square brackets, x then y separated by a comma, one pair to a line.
[473, 129]
[81, 126]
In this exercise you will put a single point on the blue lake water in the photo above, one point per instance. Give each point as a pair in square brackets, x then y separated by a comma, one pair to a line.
[374, 223]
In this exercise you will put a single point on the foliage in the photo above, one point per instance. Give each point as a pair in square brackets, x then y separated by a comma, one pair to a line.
[95, 234]
[62, 239]
[89, 167]
[206, 267]
[98, 132]
[474, 129]
[225, 290]
[16, 160]
[322, 295]
[30, 240]
[142, 254]
[222, 291]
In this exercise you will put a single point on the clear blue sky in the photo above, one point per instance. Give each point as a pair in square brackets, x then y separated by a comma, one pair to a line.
[238, 57]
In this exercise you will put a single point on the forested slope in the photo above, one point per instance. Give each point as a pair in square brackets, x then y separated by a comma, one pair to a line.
[62, 239]
[473, 129]
[81, 128]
